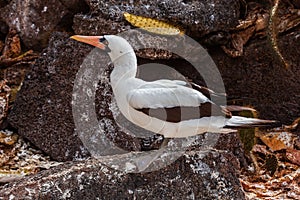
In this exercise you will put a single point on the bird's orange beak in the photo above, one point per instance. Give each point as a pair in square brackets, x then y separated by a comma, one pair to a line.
[92, 40]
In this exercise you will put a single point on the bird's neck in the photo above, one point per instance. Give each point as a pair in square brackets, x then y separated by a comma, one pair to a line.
[125, 67]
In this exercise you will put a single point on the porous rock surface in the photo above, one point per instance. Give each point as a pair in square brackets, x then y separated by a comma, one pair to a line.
[42, 112]
[35, 20]
[261, 80]
[195, 175]
[197, 17]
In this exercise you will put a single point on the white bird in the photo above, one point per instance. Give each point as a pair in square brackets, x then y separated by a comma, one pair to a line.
[168, 107]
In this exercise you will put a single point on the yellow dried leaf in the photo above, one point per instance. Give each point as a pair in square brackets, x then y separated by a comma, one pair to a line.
[153, 25]
[277, 140]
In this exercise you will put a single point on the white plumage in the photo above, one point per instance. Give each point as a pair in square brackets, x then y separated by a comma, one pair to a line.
[165, 97]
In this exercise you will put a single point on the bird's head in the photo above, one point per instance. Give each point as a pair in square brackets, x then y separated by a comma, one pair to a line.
[115, 46]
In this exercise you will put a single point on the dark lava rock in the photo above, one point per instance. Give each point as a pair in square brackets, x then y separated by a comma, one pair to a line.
[195, 175]
[42, 112]
[75, 6]
[3, 30]
[197, 17]
[36, 20]
[296, 3]
[3, 3]
[261, 80]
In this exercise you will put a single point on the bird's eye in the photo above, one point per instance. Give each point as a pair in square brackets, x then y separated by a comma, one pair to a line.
[102, 39]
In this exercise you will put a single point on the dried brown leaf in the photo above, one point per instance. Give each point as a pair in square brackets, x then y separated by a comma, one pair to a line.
[277, 140]
[293, 155]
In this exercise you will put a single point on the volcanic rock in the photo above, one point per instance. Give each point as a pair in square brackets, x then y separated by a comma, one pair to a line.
[37, 20]
[195, 175]
[197, 17]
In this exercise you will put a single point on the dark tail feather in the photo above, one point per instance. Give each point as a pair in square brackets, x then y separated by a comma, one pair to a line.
[206, 91]
[234, 108]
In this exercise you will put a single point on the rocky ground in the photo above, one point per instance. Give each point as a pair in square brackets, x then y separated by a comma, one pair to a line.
[254, 49]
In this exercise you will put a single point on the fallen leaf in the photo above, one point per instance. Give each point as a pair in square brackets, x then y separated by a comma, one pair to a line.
[277, 140]
[293, 155]
[153, 25]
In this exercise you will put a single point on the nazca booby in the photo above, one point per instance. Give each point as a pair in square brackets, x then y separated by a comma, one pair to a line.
[167, 107]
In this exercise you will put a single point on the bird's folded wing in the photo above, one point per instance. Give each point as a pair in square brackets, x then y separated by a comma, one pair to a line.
[165, 97]
[166, 83]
